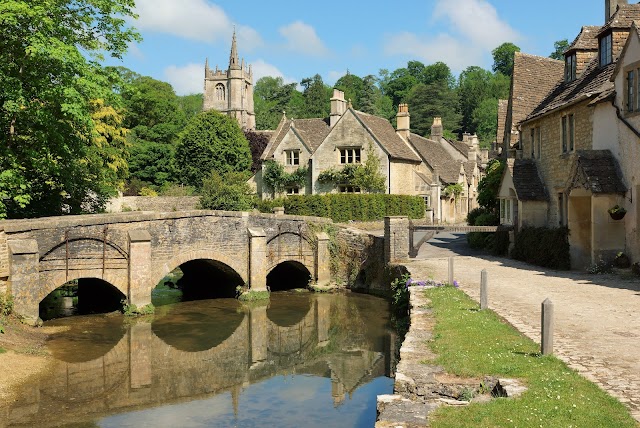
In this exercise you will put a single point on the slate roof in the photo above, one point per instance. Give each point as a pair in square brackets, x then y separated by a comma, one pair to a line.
[502, 118]
[598, 171]
[312, 131]
[591, 83]
[623, 18]
[437, 158]
[383, 131]
[587, 40]
[534, 77]
[526, 180]
[461, 147]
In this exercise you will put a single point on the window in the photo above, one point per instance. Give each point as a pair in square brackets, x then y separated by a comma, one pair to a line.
[605, 50]
[293, 190]
[350, 155]
[220, 95]
[292, 157]
[427, 202]
[631, 89]
[538, 143]
[345, 188]
[568, 133]
[570, 68]
[561, 209]
[506, 211]
[533, 143]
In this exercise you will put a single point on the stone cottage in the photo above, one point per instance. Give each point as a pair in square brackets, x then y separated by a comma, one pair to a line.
[575, 156]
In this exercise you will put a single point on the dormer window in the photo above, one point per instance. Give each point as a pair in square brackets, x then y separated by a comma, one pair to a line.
[570, 67]
[605, 52]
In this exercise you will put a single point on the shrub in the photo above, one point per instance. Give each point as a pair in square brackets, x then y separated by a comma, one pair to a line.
[473, 215]
[6, 305]
[487, 219]
[543, 247]
[477, 240]
[344, 207]
[229, 192]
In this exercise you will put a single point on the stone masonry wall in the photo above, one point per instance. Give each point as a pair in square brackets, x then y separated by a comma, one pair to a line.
[553, 165]
[150, 203]
[363, 266]
[4, 262]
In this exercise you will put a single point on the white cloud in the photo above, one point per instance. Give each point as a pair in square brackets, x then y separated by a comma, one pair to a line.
[468, 41]
[302, 38]
[186, 80]
[334, 75]
[261, 69]
[193, 20]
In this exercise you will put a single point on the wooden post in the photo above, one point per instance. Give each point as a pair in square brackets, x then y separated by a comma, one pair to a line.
[547, 327]
[450, 270]
[484, 289]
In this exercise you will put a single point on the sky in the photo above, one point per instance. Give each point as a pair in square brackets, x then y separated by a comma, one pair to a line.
[295, 39]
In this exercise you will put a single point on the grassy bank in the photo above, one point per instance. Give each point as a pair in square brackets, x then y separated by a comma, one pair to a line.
[475, 343]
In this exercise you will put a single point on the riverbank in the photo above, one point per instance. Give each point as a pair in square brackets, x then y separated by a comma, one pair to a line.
[25, 355]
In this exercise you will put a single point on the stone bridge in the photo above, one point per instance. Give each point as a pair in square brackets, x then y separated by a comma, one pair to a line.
[134, 251]
[147, 365]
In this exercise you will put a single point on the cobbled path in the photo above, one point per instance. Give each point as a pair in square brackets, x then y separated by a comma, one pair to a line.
[597, 317]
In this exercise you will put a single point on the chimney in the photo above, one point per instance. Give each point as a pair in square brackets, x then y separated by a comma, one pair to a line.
[610, 8]
[436, 129]
[338, 107]
[403, 119]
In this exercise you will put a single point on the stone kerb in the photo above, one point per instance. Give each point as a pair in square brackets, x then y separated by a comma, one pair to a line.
[396, 239]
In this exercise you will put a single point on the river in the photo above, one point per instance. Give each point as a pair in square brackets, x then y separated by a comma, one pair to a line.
[302, 359]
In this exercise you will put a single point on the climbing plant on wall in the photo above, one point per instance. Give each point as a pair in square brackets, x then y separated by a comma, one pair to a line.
[277, 179]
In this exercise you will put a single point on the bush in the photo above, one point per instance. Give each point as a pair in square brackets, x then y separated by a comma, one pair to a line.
[477, 240]
[487, 219]
[229, 192]
[344, 207]
[473, 215]
[543, 247]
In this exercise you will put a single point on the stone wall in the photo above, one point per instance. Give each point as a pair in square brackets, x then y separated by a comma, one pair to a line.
[150, 203]
[4, 261]
[361, 266]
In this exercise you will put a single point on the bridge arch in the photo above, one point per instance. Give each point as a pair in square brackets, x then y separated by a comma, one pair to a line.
[289, 275]
[291, 247]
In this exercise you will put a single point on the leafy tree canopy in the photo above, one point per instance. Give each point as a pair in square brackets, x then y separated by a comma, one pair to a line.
[559, 49]
[228, 192]
[210, 142]
[428, 101]
[59, 119]
[489, 186]
[503, 58]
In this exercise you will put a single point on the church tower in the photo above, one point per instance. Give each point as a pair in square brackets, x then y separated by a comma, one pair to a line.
[231, 91]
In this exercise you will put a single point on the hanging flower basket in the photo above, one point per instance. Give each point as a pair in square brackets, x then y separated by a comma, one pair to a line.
[617, 212]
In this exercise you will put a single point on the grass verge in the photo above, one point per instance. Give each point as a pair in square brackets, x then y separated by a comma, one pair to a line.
[475, 343]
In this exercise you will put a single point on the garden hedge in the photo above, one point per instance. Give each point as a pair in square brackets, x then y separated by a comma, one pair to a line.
[543, 247]
[345, 207]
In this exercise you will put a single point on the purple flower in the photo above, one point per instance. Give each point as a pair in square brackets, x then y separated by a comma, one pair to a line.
[456, 284]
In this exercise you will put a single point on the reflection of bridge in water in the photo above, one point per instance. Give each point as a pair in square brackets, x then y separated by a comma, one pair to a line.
[148, 365]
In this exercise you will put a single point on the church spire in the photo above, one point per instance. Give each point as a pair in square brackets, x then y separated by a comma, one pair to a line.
[233, 58]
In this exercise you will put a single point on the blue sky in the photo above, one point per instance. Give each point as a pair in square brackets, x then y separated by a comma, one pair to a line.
[296, 39]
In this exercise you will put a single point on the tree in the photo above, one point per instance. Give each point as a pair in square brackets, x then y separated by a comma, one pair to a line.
[316, 97]
[229, 192]
[190, 105]
[503, 58]
[368, 176]
[51, 157]
[474, 86]
[428, 101]
[489, 186]
[559, 48]
[352, 86]
[271, 97]
[210, 142]
[257, 143]
[484, 119]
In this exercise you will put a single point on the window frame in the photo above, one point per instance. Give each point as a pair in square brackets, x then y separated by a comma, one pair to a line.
[570, 67]
[292, 157]
[292, 190]
[350, 155]
[631, 89]
[349, 188]
[605, 49]
[568, 132]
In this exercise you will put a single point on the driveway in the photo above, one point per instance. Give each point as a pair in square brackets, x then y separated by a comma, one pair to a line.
[597, 317]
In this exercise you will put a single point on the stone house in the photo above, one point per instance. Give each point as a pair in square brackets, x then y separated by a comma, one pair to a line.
[574, 141]
[410, 164]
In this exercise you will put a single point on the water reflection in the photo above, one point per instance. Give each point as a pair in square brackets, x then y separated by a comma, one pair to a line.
[218, 363]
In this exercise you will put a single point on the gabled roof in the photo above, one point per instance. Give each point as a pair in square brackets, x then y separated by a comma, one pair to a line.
[623, 53]
[526, 180]
[597, 171]
[591, 83]
[312, 132]
[502, 119]
[461, 147]
[623, 18]
[437, 158]
[587, 40]
[533, 78]
[383, 132]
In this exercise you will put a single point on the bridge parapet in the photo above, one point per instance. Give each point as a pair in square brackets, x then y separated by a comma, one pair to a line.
[134, 251]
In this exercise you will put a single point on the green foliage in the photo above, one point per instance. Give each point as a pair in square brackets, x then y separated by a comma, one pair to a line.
[366, 176]
[427, 101]
[503, 57]
[253, 296]
[257, 143]
[453, 190]
[472, 343]
[228, 192]
[543, 247]
[172, 189]
[345, 207]
[478, 92]
[352, 86]
[6, 305]
[559, 49]
[51, 157]
[484, 120]
[489, 186]
[316, 97]
[474, 214]
[601, 267]
[190, 105]
[277, 179]
[210, 142]
[131, 310]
